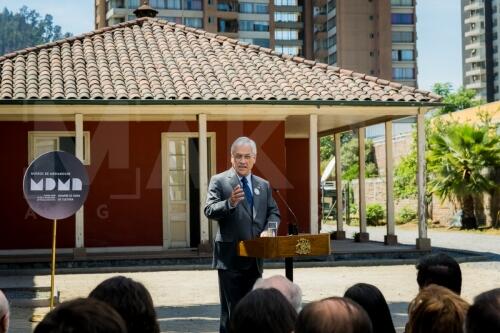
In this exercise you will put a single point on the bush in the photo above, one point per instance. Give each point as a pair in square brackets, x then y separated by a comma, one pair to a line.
[374, 214]
[405, 215]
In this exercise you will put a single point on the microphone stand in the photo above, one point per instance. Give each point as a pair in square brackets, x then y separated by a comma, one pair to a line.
[293, 229]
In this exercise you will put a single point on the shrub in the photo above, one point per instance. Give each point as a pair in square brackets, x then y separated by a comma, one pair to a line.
[374, 214]
[405, 215]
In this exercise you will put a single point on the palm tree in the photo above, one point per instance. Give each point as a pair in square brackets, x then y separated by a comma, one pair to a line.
[462, 160]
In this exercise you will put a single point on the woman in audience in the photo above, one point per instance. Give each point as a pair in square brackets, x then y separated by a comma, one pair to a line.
[263, 310]
[131, 300]
[436, 309]
[484, 315]
[371, 299]
[82, 315]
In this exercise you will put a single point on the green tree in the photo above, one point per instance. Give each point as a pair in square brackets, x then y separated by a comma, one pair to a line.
[462, 99]
[26, 28]
[462, 161]
[349, 155]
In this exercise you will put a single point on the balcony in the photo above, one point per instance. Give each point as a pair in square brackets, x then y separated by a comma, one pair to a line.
[474, 32]
[294, 9]
[476, 71]
[290, 25]
[474, 19]
[475, 85]
[474, 6]
[475, 45]
[227, 6]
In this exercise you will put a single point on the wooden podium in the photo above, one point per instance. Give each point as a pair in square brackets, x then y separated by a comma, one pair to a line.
[288, 247]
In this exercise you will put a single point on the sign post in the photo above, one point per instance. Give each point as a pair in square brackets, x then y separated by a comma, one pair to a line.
[55, 186]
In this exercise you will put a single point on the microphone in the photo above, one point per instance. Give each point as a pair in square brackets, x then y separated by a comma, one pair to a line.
[293, 228]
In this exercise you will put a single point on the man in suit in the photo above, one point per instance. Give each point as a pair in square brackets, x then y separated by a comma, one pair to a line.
[243, 205]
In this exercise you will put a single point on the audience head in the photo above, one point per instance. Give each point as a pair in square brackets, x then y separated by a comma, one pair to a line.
[131, 300]
[4, 313]
[440, 269]
[263, 310]
[82, 315]
[333, 315]
[371, 299]
[484, 315]
[290, 290]
[436, 309]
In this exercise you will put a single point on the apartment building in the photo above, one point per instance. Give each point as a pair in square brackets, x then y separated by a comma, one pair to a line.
[480, 57]
[277, 24]
[368, 36]
[376, 37]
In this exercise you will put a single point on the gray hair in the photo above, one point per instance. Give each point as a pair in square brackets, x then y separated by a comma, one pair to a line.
[290, 290]
[244, 141]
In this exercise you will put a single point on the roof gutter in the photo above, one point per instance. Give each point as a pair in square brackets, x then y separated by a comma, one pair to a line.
[129, 102]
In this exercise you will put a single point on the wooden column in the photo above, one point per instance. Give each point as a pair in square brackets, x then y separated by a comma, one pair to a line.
[313, 172]
[79, 249]
[363, 235]
[340, 233]
[390, 238]
[423, 242]
[203, 166]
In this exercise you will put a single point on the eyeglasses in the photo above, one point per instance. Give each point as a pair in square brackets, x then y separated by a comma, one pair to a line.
[239, 157]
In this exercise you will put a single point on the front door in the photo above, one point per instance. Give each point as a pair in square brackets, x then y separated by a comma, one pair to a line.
[181, 188]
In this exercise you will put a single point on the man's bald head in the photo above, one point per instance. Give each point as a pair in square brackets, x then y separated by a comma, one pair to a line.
[290, 290]
[333, 315]
[4, 313]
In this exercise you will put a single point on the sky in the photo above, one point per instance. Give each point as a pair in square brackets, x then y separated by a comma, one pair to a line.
[438, 32]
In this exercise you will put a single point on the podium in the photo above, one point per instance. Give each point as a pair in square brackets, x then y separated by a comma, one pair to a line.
[288, 247]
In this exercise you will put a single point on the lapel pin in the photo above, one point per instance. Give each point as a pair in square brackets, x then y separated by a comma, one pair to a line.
[256, 191]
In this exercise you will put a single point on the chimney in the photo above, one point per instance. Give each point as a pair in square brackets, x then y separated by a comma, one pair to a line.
[145, 11]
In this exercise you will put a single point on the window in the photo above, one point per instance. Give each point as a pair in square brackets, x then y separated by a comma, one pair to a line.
[225, 25]
[195, 22]
[246, 25]
[331, 23]
[41, 142]
[285, 2]
[402, 18]
[193, 4]
[254, 8]
[173, 19]
[170, 4]
[399, 73]
[332, 40]
[133, 3]
[226, 6]
[286, 17]
[286, 34]
[403, 37]
[402, 55]
[332, 58]
[291, 50]
[261, 42]
[402, 2]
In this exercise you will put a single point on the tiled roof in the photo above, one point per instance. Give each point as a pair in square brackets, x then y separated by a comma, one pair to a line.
[154, 59]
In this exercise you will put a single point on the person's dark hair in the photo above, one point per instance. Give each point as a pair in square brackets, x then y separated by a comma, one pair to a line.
[263, 310]
[333, 315]
[371, 299]
[82, 315]
[131, 300]
[484, 315]
[436, 309]
[440, 269]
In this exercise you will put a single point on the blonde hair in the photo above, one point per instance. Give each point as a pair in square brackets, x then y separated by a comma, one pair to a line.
[437, 309]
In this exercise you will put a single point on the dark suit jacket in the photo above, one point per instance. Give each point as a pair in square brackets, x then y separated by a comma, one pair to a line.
[239, 223]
